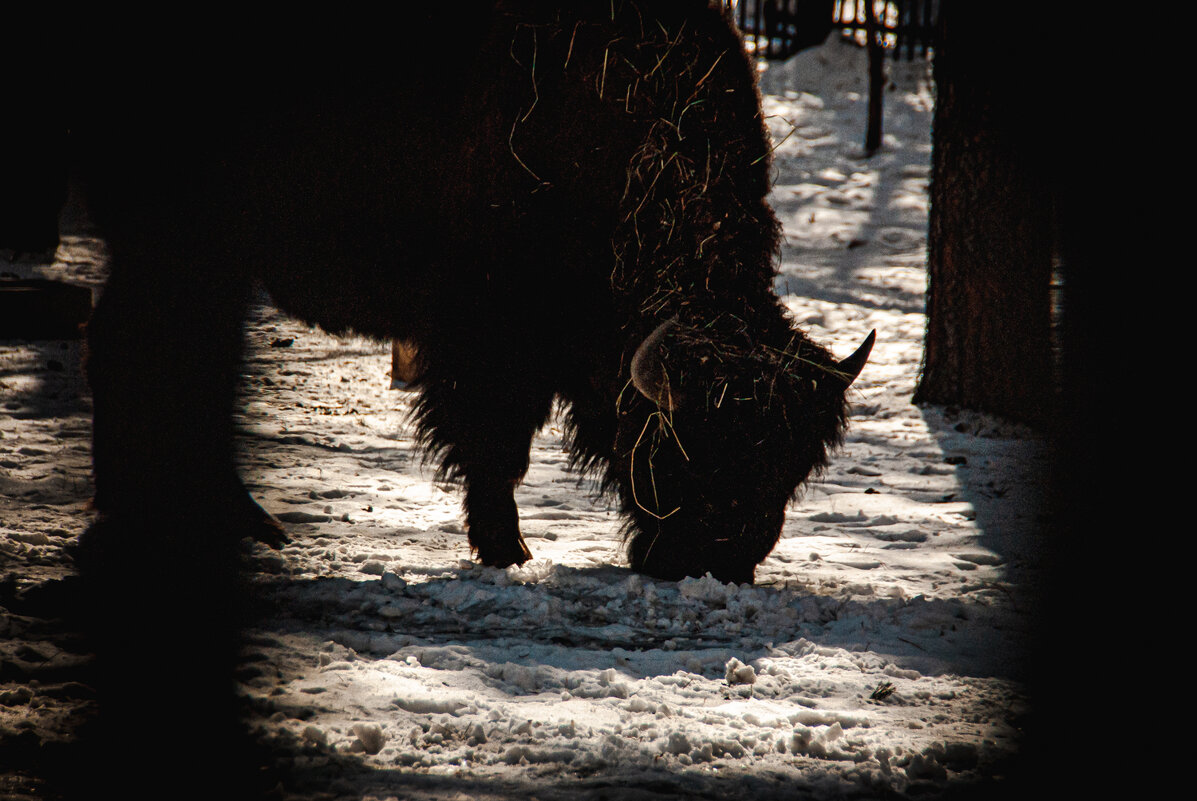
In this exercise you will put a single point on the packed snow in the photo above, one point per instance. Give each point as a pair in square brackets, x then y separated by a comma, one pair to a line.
[880, 652]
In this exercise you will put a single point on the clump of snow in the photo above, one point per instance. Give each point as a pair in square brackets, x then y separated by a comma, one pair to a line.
[370, 738]
[739, 673]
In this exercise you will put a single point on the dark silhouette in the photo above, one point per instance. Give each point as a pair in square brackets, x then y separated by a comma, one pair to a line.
[573, 190]
[526, 218]
[33, 173]
[37, 308]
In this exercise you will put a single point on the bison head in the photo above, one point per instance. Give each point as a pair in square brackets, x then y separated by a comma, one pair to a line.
[723, 428]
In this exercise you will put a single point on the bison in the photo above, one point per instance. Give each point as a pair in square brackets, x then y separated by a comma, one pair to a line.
[569, 205]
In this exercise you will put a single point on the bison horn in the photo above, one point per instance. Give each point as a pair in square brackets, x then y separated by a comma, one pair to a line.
[850, 367]
[648, 368]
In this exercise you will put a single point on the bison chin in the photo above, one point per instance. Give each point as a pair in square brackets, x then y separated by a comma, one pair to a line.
[703, 496]
[719, 437]
[728, 547]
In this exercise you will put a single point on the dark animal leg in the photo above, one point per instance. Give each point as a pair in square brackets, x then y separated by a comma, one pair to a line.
[484, 431]
[163, 363]
[160, 566]
[493, 520]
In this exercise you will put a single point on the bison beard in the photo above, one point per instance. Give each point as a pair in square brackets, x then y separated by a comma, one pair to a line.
[525, 213]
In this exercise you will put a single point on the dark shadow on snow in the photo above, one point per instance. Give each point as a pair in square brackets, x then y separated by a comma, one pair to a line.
[610, 608]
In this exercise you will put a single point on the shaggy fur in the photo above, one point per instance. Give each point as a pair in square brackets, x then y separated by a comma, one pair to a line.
[524, 213]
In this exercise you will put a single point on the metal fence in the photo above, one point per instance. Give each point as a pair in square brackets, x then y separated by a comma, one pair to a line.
[777, 29]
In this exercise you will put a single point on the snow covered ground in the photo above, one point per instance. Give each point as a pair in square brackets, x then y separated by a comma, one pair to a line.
[879, 654]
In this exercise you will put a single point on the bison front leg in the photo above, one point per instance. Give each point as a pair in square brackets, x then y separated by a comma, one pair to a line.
[483, 431]
[492, 520]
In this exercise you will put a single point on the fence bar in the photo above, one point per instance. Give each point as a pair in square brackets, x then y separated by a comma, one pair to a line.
[774, 27]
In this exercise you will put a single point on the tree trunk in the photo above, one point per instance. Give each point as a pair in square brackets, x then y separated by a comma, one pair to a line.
[988, 344]
[875, 31]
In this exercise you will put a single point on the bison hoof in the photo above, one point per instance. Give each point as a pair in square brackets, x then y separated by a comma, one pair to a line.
[268, 531]
[512, 552]
[255, 523]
